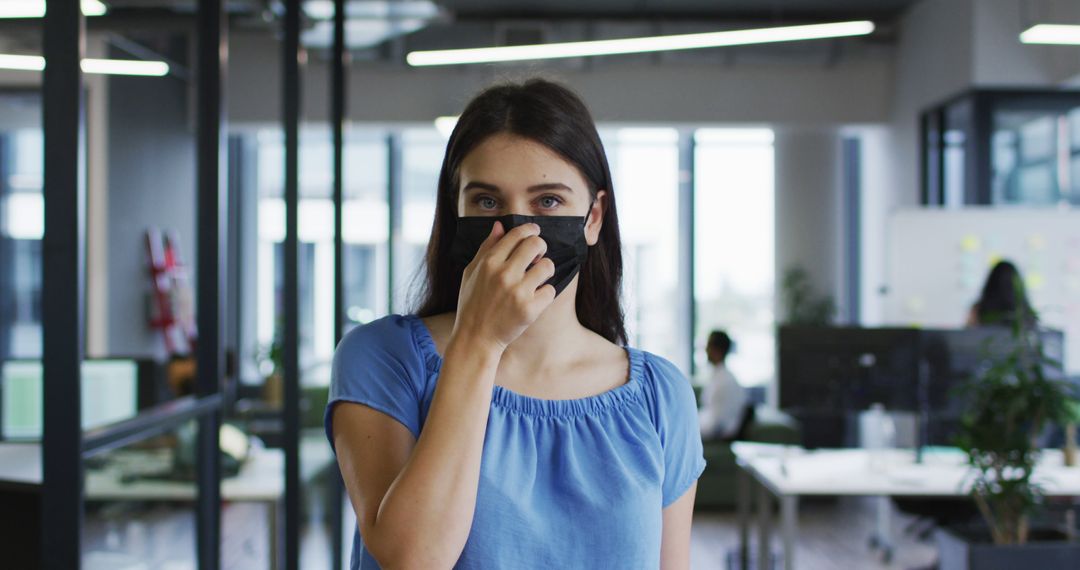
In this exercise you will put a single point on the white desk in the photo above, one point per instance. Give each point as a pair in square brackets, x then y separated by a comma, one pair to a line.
[20, 465]
[789, 472]
[260, 480]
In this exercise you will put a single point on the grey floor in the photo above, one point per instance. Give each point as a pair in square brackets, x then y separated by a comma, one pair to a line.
[832, 536]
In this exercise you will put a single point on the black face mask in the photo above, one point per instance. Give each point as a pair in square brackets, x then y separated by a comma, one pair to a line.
[565, 237]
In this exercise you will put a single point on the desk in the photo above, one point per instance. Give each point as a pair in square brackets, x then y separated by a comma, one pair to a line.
[790, 472]
[261, 479]
[20, 466]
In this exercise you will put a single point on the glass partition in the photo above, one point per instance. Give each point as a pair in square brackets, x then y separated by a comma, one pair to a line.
[1014, 147]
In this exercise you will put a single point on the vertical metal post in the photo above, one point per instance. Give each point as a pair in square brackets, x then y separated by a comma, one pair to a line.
[211, 207]
[928, 154]
[764, 505]
[789, 520]
[686, 239]
[394, 201]
[337, 119]
[743, 503]
[978, 190]
[63, 275]
[291, 409]
[852, 209]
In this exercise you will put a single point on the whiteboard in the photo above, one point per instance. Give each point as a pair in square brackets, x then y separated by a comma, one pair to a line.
[939, 258]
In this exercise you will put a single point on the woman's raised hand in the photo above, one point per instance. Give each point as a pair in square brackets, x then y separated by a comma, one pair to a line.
[501, 295]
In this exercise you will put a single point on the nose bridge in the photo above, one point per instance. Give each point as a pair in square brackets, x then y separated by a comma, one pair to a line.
[517, 203]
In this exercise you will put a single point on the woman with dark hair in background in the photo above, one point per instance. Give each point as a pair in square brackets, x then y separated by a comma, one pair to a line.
[1003, 299]
[506, 424]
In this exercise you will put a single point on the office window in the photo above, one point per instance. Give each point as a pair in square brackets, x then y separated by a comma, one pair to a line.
[365, 227]
[1028, 155]
[645, 170]
[364, 231]
[21, 229]
[734, 251]
[422, 152]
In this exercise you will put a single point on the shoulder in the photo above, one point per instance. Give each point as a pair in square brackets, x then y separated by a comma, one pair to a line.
[386, 346]
[667, 388]
[392, 333]
[660, 371]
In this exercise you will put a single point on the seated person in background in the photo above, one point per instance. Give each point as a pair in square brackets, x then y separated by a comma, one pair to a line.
[724, 402]
[1003, 299]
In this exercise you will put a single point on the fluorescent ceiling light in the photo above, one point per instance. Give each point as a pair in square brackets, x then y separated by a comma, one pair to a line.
[640, 45]
[105, 66]
[373, 9]
[36, 8]
[125, 67]
[1060, 34]
[22, 62]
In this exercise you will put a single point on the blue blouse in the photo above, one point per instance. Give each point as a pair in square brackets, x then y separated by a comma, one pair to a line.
[563, 483]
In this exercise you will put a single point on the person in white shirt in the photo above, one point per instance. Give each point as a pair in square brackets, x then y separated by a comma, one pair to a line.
[723, 401]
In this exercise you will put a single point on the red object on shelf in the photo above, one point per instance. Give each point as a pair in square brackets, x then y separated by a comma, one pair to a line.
[173, 301]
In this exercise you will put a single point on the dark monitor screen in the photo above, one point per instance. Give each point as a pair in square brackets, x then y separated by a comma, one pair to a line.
[828, 375]
[955, 356]
[848, 368]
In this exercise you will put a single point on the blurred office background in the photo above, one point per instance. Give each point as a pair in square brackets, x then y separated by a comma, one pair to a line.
[884, 173]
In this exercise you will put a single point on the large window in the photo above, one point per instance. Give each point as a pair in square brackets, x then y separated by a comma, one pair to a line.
[421, 157]
[364, 233]
[734, 247]
[645, 168]
[21, 230]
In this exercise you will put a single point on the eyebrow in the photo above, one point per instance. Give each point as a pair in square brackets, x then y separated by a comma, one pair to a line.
[477, 185]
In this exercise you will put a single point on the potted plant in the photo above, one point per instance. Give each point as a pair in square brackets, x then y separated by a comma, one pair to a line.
[803, 305]
[1013, 398]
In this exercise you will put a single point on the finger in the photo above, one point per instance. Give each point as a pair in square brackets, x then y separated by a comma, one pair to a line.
[525, 253]
[493, 236]
[538, 274]
[545, 295]
[501, 251]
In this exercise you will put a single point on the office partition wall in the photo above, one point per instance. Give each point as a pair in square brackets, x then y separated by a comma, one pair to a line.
[65, 446]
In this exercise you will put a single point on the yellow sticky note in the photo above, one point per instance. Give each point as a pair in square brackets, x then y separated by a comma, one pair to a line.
[970, 242]
[1035, 281]
[1036, 242]
[915, 305]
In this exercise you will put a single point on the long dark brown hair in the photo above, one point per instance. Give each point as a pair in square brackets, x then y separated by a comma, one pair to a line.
[1003, 298]
[552, 115]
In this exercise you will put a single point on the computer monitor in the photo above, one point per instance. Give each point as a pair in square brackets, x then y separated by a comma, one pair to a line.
[953, 357]
[828, 375]
[109, 394]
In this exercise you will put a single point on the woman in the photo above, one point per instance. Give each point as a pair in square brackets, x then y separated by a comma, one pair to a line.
[506, 424]
[1003, 299]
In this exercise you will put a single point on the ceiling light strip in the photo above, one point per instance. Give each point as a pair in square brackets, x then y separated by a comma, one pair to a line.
[1058, 34]
[640, 45]
[102, 66]
[36, 8]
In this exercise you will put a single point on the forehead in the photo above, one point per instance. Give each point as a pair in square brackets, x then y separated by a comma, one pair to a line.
[508, 160]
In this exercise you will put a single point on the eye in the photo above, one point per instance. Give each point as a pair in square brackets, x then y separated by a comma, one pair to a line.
[550, 201]
[485, 202]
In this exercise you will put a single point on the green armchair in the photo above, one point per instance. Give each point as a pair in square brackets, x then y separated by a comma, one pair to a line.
[717, 485]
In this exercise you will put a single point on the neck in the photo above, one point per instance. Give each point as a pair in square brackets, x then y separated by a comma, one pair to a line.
[553, 337]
